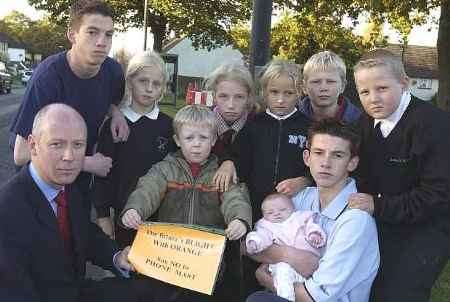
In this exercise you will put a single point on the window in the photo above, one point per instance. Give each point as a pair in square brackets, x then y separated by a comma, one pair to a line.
[424, 83]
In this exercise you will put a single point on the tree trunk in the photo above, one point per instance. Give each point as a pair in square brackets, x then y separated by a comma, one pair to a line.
[158, 38]
[443, 46]
[158, 26]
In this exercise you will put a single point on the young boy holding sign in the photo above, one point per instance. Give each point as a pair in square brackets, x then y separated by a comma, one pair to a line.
[181, 186]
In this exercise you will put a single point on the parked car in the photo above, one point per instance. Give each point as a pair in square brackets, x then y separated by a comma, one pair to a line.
[26, 76]
[5, 79]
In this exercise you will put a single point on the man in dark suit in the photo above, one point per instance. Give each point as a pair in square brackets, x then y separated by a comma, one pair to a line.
[46, 239]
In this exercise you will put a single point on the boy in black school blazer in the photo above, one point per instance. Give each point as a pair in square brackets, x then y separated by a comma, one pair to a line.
[405, 172]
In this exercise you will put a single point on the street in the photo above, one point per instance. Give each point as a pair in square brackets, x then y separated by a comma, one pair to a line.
[9, 103]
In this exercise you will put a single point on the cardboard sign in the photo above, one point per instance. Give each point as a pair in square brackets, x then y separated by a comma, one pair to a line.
[183, 255]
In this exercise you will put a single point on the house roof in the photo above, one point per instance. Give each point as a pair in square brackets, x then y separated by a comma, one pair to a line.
[3, 37]
[420, 61]
[171, 44]
[11, 42]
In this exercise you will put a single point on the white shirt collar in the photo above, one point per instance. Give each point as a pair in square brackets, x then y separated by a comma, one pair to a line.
[389, 123]
[280, 118]
[133, 116]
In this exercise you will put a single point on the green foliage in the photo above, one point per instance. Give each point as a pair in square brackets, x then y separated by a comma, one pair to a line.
[240, 35]
[41, 36]
[297, 36]
[300, 35]
[207, 23]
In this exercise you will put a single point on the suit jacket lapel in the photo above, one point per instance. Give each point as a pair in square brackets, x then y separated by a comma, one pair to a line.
[76, 216]
[44, 211]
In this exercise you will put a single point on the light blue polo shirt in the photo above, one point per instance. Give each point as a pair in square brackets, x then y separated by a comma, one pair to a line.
[351, 258]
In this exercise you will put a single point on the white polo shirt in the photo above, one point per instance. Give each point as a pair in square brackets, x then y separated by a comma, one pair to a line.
[351, 258]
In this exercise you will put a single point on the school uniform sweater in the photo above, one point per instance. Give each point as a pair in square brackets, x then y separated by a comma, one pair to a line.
[410, 168]
[149, 142]
[408, 172]
[347, 113]
[268, 151]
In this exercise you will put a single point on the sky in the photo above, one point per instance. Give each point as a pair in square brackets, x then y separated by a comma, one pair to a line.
[132, 40]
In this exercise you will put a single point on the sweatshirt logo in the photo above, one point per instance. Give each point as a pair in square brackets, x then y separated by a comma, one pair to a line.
[162, 143]
[299, 140]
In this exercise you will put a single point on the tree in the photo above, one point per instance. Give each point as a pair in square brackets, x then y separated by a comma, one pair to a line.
[443, 44]
[402, 14]
[40, 36]
[297, 36]
[207, 23]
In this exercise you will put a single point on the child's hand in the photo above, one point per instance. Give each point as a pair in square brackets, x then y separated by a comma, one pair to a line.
[131, 219]
[224, 175]
[292, 186]
[361, 201]
[236, 229]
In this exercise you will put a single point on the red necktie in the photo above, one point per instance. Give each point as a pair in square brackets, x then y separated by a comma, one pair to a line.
[63, 220]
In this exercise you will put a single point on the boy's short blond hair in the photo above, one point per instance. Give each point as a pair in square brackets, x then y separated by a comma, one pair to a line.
[278, 67]
[195, 115]
[146, 59]
[232, 72]
[325, 61]
[382, 57]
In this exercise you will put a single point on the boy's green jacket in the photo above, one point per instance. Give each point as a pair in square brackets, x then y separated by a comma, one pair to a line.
[170, 188]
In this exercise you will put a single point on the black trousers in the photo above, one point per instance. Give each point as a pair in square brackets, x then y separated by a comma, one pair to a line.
[116, 290]
[411, 261]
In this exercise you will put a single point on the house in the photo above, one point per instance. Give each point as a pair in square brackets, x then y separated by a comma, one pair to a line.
[16, 51]
[197, 64]
[3, 46]
[421, 64]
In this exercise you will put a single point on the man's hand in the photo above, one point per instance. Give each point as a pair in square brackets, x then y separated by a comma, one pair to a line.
[264, 277]
[235, 230]
[106, 224]
[122, 260]
[119, 126]
[304, 262]
[292, 186]
[97, 164]
[361, 201]
[225, 175]
[301, 295]
[131, 219]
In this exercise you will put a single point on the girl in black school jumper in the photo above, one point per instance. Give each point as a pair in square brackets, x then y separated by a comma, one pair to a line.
[234, 105]
[149, 142]
[405, 172]
[270, 146]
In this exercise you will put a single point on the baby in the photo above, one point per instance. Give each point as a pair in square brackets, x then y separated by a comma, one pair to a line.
[281, 224]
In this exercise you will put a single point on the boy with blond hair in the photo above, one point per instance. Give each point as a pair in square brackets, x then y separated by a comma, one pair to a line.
[181, 186]
[405, 174]
[324, 80]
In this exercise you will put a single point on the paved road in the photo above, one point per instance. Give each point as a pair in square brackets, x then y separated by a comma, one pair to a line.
[9, 103]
